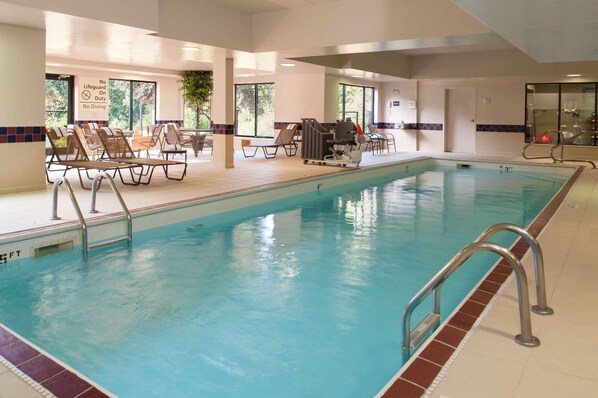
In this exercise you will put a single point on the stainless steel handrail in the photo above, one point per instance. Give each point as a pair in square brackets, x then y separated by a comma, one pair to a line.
[525, 338]
[562, 144]
[59, 181]
[94, 189]
[542, 307]
[535, 142]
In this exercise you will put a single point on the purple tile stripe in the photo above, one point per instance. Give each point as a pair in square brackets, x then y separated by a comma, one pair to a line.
[10, 135]
[101, 123]
[411, 126]
[281, 125]
[225, 129]
[44, 370]
[419, 375]
[177, 122]
[501, 128]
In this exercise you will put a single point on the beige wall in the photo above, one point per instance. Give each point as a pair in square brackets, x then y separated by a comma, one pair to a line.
[298, 96]
[22, 101]
[407, 91]
[505, 104]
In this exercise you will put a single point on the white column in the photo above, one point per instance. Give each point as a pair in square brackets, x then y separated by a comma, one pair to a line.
[223, 111]
[22, 108]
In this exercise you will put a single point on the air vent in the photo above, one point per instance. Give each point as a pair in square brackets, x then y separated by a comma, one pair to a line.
[53, 248]
[464, 165]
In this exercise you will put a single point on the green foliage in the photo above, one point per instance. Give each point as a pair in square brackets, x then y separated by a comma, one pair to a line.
[248, 109]
[56, 102]
[197, 87]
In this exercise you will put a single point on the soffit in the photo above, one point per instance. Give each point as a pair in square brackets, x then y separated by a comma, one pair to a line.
[546, 30]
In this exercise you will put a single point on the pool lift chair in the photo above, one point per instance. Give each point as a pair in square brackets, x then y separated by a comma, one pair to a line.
[345, 145]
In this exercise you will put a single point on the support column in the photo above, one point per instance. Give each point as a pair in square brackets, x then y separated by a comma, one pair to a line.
[223, 111]
[22, 104]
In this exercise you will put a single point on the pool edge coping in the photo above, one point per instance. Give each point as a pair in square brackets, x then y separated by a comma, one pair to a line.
[418, 377]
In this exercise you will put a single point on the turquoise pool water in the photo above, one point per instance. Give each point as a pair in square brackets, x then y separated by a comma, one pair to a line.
[296, 298]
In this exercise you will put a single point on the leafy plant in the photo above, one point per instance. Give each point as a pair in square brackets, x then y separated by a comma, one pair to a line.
[197, 87]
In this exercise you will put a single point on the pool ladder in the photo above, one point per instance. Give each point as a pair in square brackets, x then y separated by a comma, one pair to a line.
[84, 228]
[412, 338]
[561, 145]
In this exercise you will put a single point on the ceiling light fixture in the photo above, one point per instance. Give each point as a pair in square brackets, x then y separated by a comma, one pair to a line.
[574, 75]
[288, 65]
[191, 48]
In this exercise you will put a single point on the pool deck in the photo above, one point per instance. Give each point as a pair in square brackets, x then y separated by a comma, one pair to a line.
[487, 363]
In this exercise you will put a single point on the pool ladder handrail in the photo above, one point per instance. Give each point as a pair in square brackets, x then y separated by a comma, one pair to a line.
[63, 181]
[532, 143]
[84, 228]
[411, 339]
[562, 143]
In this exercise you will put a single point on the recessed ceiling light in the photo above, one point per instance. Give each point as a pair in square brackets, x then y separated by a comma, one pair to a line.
[574, 75]
[358, 76]
[53, 64]
[288, 65]
[191, 48]
[246, 74]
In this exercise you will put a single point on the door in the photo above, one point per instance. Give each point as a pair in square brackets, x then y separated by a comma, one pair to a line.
[460, 124]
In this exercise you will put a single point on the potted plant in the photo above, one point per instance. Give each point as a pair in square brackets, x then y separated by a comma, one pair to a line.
[197, 87]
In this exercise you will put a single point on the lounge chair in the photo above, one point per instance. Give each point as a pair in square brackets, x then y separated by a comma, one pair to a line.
[70, 153]
[118, 149]
[285, 139]
[381, 139]
[142, 142]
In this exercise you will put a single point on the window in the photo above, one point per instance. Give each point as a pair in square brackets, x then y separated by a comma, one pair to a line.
[132, 104]
[356, 102]
[255, 109]
[59, 100]
[568, 107]
[191, 118]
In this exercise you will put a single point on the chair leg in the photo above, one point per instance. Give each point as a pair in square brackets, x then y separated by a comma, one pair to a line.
[270, 155]
[246, 154]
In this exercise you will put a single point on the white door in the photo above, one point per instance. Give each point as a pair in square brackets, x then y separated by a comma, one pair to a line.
[460, 124]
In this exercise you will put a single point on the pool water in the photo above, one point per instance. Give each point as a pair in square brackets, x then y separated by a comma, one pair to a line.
[295, 298]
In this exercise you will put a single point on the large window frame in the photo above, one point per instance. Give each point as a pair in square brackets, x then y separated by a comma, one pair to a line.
[562, 118]
[131, 99]
[354, 115]
[70, 109]
[256, 112]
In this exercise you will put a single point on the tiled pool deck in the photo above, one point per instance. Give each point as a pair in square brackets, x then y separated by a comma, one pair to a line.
[489, 364]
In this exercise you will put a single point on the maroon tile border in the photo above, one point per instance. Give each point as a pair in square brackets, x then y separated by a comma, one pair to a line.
[419, 375]
[15, 134]
[51, 375]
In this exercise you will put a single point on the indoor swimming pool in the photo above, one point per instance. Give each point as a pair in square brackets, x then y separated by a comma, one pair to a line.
[296, 297]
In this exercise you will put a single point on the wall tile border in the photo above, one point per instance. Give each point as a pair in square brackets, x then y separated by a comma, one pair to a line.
[10, 135]
[101, 123]
[501, 128]
[224, 129]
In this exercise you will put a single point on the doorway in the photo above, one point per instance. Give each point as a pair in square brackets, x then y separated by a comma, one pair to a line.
[460, 120]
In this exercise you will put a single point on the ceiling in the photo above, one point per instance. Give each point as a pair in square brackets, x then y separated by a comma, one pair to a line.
[258, 6]
[547, 30]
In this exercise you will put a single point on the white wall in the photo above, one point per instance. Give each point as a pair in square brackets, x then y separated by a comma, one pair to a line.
[22, 103]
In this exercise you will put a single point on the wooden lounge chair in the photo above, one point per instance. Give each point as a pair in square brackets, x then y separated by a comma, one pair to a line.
[70, 153]
[118, 149]
[285, 139]
[142, 142]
